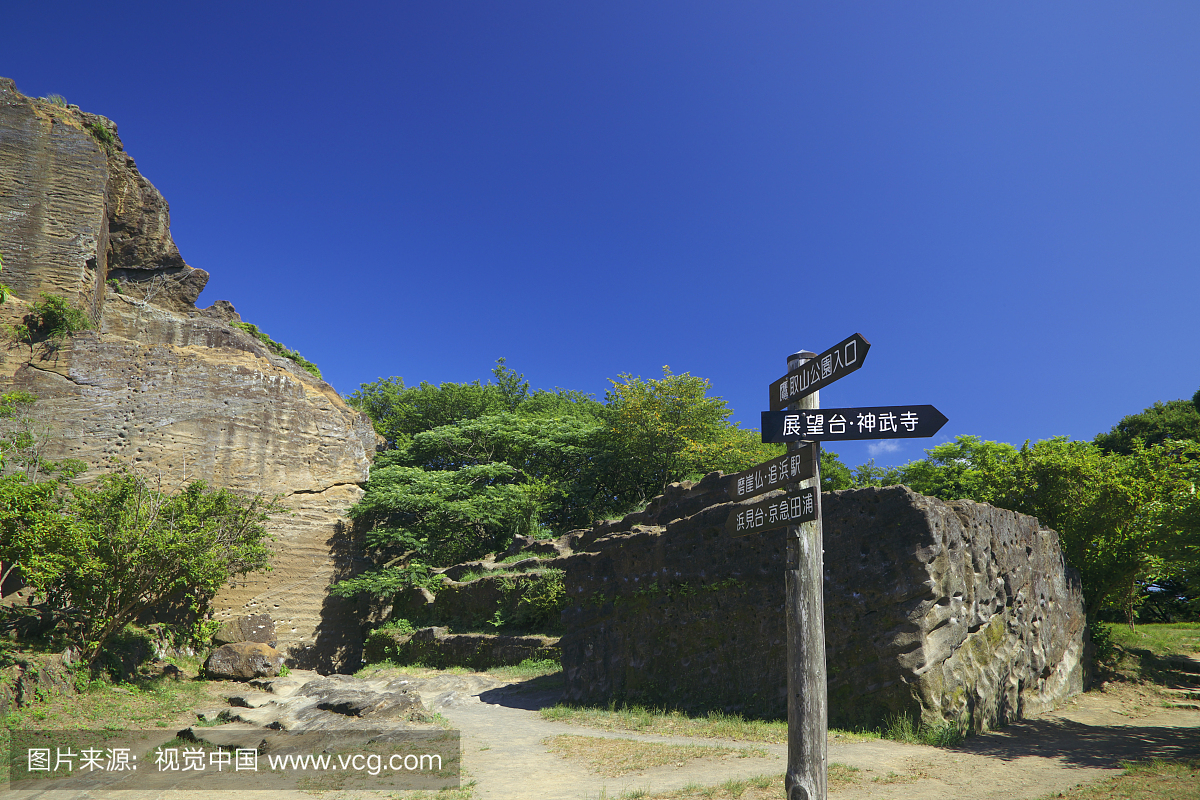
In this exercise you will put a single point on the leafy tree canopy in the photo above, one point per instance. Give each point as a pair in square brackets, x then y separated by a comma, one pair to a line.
[1175, 419]
[470, 465]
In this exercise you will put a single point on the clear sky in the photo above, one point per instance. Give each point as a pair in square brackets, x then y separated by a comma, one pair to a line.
[1004, 198]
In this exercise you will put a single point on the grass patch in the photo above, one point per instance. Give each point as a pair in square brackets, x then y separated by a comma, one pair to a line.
[901, 728]
[714, 725]
[615, 757]
[476, 574]
[464, 792]
[1154, 653]
[841, 775]
[527, 669]
[1164, 639]
[1148, 780]
[162, 700]
[519, 557]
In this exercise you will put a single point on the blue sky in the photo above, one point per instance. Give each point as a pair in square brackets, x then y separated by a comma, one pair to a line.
[1002, 198]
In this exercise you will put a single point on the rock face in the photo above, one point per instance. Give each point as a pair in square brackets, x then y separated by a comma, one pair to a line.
[436, 647]
[253, 628]
[166, 387]
[243, 661]
[954, 612]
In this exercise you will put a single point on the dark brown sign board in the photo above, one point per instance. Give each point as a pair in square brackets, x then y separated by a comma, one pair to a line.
[791, 509]
[835, 424]
[787, 468]
[836, 362]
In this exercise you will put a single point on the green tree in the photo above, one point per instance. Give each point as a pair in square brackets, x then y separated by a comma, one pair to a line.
[954, 470]
[1175, 419]
[1123, 520]
[399, 412]
[662, 431]
[102, 554]
[469, 466]
[418, 518]
[835, 475]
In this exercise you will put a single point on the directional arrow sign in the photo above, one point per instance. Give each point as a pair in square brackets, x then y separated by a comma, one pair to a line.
[836, 362]
[791, 509]
[796, 466]
[834, 424]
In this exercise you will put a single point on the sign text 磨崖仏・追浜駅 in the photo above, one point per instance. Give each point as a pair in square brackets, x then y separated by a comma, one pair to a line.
[788, 468]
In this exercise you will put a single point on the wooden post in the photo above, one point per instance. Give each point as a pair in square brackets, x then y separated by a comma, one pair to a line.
[808, 703]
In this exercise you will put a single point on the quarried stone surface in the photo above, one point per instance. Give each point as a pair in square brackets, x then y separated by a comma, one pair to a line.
[243, 661]
[251, 628]
[954, 612]
[166, 388]
[435, 647]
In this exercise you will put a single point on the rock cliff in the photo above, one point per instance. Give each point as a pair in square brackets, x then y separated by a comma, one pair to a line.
[165, 386]
[947, 612]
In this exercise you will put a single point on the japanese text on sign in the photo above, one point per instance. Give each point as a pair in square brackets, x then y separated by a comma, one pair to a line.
[839, 360]
[788, 468]
[775, 513]
[831, 424]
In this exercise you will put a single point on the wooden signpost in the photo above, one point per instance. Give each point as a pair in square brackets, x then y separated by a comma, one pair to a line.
[796, 417]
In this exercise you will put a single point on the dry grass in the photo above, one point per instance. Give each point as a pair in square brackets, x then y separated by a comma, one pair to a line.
[615, 757]
[1151, 780]
[674, 723]
[759, 787]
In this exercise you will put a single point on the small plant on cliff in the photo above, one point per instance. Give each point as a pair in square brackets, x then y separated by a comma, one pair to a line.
[279, 349]
[52, 319]
[4, 290]
[56, 100]
[103, 136]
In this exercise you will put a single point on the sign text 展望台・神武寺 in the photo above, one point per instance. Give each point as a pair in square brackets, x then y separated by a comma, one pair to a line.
[833, 424]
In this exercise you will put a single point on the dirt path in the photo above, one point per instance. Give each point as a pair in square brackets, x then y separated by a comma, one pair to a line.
[1082, 742]
[504, 753]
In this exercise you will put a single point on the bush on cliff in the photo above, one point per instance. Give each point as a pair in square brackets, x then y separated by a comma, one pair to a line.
[52, 319]
[279, 349]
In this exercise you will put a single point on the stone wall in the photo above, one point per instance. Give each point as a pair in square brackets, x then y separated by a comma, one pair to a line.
[943, 611]
[162, 386]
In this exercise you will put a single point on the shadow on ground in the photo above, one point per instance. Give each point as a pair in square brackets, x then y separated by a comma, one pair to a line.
[1086, 745]
[530, 695]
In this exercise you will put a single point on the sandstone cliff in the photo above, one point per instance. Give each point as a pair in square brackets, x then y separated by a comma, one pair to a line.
[162, 385]
[955, 612]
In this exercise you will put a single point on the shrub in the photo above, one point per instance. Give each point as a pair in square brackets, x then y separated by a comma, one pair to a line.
[101, 554]
[51, 319]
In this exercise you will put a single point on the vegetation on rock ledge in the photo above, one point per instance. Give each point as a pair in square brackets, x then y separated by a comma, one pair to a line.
[279, 349]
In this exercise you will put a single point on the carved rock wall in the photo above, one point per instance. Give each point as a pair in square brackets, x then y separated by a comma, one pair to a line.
[943, 611]
[162, 386]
